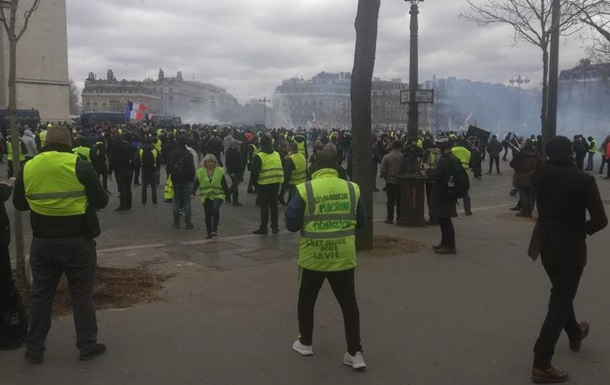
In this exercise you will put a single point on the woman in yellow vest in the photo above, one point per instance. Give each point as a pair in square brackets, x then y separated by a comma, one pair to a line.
[213, 189]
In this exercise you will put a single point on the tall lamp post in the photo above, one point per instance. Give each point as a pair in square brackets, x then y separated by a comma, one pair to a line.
[264, 100]
[412, 180]
[519, 80]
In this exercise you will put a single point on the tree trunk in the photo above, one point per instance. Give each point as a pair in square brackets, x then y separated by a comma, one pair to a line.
[12, 108]
[362, 80]
[545, 90]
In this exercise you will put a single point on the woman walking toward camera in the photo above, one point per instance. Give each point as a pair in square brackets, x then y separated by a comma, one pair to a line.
[213, 189]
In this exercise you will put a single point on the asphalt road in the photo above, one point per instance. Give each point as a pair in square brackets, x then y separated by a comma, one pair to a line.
[229, 314]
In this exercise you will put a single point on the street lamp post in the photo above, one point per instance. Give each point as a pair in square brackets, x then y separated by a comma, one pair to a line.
[264, 100]
[519, 80]
[412, 180]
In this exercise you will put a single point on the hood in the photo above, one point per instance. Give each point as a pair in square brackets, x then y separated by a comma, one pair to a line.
[28, 133]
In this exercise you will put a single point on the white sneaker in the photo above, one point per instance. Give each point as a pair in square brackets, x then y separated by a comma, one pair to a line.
[303, 350]
[356, 361]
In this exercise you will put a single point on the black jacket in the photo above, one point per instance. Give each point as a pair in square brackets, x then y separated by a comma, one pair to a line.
[120, 157]
[44, 226]
[189, 175]
[234, 162]
[5, 225]
[564, 194]
[441, 204]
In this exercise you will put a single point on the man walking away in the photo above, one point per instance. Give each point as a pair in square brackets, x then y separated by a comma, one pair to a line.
[565, 194]
[390, 169]
[148, 158]
[181, 169]
[494, 148]
[62, 191]
[327, 252]
[267, 174]
[235, 170]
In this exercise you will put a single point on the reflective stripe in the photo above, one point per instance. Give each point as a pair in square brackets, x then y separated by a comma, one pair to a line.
[352, 198]
[310, 199]
[329, 234]
[330, 217]
[56, 195]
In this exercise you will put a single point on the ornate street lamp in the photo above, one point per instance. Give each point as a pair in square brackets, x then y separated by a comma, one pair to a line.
[264, 100]
[412, 180]
[519, 80]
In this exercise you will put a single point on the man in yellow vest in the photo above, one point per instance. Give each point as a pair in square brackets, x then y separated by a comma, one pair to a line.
[9, 154]
[463, 154]
[267, 175]
[327, 211]
[83, 150]
[62, 191]
[296, 169]
[592, 151]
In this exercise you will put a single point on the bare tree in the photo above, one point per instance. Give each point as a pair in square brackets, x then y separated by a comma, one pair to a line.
[598, 18]
[14, 33]
[74, 99]
[362, 80]
[531, 21]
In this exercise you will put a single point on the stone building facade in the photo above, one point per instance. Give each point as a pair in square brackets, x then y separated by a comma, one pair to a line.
[193, 101]
[42, 62]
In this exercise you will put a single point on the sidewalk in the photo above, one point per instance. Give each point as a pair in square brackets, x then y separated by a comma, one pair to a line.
[229, 315]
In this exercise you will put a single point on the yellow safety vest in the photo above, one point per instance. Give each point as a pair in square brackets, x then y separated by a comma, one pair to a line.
[43, 137]
[85, 152]
[593, 146]
[154, 154]
[328, 236]
[463, 155]
[210, 189]
[157, 145]
[9, 151]
[254, 151]
[299, 174]
[271, 168]
[301, 147]
[51, 185]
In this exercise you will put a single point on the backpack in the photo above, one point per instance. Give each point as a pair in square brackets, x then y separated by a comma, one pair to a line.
[459, 182]
[148, 159]
[178, 168]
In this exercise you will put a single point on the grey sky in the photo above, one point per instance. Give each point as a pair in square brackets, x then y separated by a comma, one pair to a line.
[249, 46]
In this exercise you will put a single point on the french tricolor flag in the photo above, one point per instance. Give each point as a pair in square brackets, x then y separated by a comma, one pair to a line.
[135, 111]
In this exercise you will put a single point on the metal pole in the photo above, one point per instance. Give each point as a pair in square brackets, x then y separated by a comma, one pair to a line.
[413, 76]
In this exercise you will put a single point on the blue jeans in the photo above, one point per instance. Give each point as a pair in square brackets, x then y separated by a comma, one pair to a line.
[182, 198]
[211, 209]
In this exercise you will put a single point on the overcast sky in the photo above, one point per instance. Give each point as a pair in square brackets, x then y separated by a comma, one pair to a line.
[249, 46]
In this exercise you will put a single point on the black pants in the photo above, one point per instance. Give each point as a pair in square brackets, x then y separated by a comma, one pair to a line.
[560, 315]
[267, 198]
[342, 284]
[50, 258]
[211, 209]
[234, 189]
[102, 170]
[447, 232]
[123, 181]
[6, 278]
[393, 195]
[496, 159]
[150, 179]
[136, 174]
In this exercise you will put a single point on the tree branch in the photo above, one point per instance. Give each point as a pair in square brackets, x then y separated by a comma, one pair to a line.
[27, 16]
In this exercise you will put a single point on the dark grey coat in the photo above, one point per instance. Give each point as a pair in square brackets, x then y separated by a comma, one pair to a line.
[442, 205]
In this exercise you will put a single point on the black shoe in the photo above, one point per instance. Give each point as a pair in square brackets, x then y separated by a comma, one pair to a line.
[188, 226]
[237, 204]
[119, 209]
[275, 231]
[261, 232]
[228, 201]
[98, 350]
[468, 213]
[9, 343]
[214, 233]
[516, 208]
[375, 189]
[251, 192]
[33, 359]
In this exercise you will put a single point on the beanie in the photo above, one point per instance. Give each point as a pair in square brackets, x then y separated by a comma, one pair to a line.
[58, 135]
[559, 147]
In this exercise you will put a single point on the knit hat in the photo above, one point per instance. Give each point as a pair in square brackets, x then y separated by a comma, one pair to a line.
[559, 147]
[58, 135]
